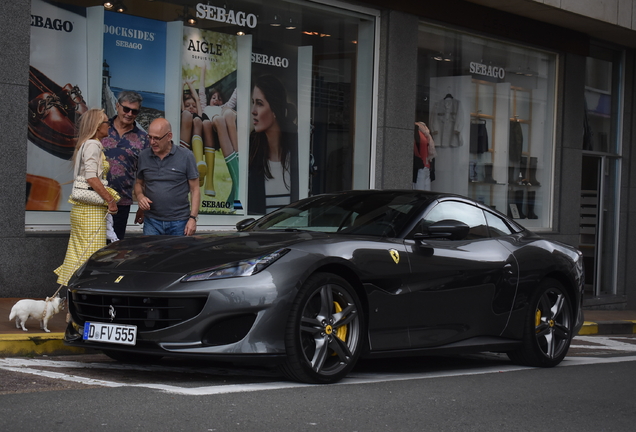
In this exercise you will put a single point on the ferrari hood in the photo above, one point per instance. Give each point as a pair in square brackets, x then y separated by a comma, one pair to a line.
[159, 254]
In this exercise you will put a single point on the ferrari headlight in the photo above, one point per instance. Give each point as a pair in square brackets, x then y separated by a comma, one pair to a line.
[246, 267]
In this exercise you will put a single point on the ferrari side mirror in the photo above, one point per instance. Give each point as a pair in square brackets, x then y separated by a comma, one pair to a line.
[241, 225]
[449, 229]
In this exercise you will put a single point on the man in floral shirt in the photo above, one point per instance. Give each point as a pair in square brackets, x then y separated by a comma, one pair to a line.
[122, 147]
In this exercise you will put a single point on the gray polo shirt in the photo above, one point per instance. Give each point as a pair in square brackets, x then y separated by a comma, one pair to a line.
[166, 182]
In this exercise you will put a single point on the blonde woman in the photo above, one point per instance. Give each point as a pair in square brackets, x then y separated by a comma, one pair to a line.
[88, 222]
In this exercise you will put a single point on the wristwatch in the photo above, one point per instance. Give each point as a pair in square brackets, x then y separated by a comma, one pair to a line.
[196, 218]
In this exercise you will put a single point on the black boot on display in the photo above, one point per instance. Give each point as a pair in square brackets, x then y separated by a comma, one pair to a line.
[488, 174]
[472, 172]
[519, 203]
[511, 175]
[510, 201]
[523, 173]
[531, 197]
[532, 172]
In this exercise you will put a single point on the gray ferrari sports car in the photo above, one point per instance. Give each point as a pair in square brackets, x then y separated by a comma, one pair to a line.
[317, 284]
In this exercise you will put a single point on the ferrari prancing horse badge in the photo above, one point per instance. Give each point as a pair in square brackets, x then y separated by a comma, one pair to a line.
[395, 255]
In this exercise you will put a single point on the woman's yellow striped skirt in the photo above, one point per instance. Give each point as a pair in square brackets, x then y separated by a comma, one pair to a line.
[88, 234]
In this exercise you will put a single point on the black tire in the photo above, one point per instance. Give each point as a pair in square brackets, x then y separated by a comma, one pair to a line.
[549, 327]
[324, 334]
[129, 357]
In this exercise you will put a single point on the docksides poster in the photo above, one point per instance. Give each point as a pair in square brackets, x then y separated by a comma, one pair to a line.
[134, 59]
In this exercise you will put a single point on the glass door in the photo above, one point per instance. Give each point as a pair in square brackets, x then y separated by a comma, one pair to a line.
[600, 171]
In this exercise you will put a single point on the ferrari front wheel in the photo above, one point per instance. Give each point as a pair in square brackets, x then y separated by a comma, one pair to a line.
[549, 327]
[324, 333]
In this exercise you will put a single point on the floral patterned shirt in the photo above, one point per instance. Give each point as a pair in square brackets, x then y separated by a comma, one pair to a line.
[122, 154]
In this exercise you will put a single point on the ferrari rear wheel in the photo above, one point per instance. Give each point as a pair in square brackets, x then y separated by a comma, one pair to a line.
[549, 327]
[324, 334]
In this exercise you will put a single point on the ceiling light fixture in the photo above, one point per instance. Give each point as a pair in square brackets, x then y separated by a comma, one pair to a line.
[291, 24]
[108, 5]
[275, 21]
[120, 7]
[186, 16]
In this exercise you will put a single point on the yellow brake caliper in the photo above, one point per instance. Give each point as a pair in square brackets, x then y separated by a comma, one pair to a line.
[537, 319]
[341, 333]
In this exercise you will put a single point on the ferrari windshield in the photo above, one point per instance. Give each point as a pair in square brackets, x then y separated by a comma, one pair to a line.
[378, 214]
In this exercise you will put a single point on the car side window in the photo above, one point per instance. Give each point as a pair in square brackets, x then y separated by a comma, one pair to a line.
[497, 226]
[466, 213]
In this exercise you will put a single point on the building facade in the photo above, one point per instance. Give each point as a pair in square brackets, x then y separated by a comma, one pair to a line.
[530, 104]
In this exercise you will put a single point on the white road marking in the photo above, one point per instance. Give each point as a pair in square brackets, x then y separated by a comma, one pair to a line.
[32, 366]
[603, 343]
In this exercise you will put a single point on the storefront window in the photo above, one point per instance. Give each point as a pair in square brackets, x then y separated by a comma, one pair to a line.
[489, 107]
[199, 64]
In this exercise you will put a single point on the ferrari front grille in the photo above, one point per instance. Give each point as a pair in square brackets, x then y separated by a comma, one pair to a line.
[147, 313]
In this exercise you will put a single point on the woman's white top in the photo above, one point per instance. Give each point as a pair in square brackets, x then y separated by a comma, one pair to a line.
[276, 193]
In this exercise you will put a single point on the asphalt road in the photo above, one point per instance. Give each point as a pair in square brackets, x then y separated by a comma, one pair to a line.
[593, 390]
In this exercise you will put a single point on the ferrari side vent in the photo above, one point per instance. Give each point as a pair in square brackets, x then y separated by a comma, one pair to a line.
[147, 313]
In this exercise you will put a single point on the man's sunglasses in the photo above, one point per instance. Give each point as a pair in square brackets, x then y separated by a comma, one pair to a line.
[132, 110]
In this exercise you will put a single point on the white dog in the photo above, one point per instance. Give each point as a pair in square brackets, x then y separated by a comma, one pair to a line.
[41, 310]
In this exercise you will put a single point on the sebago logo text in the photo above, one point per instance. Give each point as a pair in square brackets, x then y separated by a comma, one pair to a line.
[487, 70]
[270, 60]
[52, 24]
[213, 13]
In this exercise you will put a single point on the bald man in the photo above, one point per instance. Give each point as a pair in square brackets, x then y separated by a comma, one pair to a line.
[166, 174]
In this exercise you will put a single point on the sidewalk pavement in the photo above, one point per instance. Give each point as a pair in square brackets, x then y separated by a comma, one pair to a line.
[16, 342]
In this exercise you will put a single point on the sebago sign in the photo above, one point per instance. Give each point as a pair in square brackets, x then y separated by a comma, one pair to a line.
[487, 70]
[213, 13]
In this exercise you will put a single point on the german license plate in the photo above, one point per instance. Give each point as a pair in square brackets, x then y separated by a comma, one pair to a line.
[110, 333]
